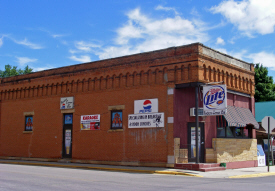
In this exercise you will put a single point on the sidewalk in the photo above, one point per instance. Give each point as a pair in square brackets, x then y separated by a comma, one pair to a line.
[230, 173]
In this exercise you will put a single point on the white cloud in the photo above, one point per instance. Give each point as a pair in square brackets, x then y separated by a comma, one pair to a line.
[25, 42]
[57, 35]
[142, 33]
[24, 60]
[2, 39]
[82, 59]
[195, 12]
[222, 50]
[265, 58]
[50, 33]
[160, 7]
[250, 16]
[85, 46]
[241, 54]
[73, 51]
[36, 69]
[220, 41]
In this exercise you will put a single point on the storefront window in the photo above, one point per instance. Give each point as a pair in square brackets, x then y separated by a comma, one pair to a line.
[229, 132]
[238, 132]
[224, 131]
[232, 132]
[28, 123]
[220, 131]
[116, 120]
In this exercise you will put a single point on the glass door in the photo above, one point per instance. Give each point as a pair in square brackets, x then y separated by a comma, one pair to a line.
[67, 135]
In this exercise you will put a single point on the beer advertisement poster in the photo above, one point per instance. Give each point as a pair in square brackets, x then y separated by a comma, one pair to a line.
[28, 123]
[214, 100]
[90, 122]
[116, 119]
[68, 119]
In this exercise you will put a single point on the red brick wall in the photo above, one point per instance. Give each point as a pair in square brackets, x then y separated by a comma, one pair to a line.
[96, 86]
[144, 145]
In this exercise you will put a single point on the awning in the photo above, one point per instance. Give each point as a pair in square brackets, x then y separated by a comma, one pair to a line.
[240, 117]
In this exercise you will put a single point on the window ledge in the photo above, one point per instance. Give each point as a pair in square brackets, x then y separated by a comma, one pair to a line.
[115, 130]
[27, 132]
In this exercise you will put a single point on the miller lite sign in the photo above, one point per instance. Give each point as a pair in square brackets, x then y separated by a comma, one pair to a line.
[214, 100]
[146, 106]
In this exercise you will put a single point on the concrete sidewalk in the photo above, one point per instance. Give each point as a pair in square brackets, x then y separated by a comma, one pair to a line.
[230, 173]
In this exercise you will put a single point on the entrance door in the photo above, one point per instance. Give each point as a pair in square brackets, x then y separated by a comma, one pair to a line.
[192, 142]
[67, 135]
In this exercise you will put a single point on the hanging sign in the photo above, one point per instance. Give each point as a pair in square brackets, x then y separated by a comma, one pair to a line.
[146, 106]
[148, 120]
[214, 100]
[90, 122]
[67, 103]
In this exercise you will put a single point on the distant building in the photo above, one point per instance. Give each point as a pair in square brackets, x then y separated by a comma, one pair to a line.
[131, 110]
[262, 109]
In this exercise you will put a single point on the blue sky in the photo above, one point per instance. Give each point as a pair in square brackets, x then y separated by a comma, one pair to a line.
[48, 34]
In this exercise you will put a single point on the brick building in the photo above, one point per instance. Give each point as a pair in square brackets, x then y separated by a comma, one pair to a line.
[35, 125]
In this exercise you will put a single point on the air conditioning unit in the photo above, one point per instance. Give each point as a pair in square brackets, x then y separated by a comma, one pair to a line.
[193, 111]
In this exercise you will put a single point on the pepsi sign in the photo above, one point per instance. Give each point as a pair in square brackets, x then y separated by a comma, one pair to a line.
[67, 103]
[146, 106]
[214, 100]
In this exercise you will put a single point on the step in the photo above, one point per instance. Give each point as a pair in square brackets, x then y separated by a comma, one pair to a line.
[212, 169]
[197, 167]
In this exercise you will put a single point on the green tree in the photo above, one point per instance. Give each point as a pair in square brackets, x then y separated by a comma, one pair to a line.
[264, 86]
[13, 71]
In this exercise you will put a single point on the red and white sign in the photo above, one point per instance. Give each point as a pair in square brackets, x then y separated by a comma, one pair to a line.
[214, 100]
[67, 103]
[146, 106]
[90, 122]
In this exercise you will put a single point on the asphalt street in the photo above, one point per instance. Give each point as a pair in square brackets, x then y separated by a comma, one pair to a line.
[27, 177]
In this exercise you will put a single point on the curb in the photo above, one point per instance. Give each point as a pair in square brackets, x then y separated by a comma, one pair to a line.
[176, 173]
[253, 175]
[103, 168]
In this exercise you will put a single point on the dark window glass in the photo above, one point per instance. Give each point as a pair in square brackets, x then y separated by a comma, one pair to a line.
[224, 131]
[221, 132]
[238, 132]
[230, 132]
[68, 119]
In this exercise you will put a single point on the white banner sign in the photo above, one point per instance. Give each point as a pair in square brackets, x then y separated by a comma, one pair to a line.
[67, 103]
[146, 120]
[90, 122]
[214, 100]
[89, 118]
[146, 106]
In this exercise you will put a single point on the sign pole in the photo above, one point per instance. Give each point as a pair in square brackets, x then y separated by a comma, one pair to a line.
[267, 122]
[197, 125]
[268, 149]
